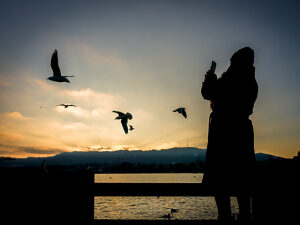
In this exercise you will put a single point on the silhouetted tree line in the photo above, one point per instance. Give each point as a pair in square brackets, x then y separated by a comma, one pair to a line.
[127, 167]
[271, 167]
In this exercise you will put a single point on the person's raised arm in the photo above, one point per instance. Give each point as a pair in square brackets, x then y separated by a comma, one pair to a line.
[208, 89]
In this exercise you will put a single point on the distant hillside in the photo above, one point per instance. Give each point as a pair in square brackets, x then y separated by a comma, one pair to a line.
[167, 156]
[264, 157]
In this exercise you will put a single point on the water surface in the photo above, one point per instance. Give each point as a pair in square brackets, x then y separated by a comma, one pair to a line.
[155, 208]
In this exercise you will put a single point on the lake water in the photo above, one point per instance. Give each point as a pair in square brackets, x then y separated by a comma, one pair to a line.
[154, 208]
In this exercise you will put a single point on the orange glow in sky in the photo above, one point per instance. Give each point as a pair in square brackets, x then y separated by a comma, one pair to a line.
[146, 58]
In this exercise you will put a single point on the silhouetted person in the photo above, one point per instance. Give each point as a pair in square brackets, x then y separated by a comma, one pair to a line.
[230, 158]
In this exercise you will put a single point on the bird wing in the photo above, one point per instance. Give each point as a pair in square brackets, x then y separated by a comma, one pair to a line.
[176, 110]
[124, 124]
[54, 64]
[184, 113]
[73, 105]
[61, 105]
[120, 113]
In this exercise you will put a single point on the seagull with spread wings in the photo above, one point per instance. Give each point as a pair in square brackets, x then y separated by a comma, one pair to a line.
[181, 111]
[66, 105]
[124, 119]
[57, 77]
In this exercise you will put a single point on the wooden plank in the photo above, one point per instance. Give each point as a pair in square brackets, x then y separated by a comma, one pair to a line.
[151, 189]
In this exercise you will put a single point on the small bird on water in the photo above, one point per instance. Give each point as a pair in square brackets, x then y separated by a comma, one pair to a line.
[168, 216]
[174, 210]
[57, 77]
[181, 111]
[66, 105]
[124, 119]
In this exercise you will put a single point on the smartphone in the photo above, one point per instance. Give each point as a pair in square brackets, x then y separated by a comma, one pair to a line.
[213, 66]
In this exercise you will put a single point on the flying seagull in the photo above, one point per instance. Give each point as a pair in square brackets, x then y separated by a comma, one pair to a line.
[66, 105]
[124, 119]
[57, 77]
[131, 128]
[181, 111]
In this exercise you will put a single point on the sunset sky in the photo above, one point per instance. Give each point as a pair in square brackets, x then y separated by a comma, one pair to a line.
[146, 58]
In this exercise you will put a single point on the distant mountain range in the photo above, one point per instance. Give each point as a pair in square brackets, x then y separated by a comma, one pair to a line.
[166, 156]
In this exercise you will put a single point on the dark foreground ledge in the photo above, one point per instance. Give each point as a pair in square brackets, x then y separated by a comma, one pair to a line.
[163, 222]
[35, 197]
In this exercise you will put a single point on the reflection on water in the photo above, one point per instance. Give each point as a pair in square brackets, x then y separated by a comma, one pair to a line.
[154, 208]
[149, 178]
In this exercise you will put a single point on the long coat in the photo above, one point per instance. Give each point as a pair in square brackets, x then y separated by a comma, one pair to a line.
[230, 156]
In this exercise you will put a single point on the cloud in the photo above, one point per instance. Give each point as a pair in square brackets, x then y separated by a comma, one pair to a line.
[90, 103]
[124, 147]
[15, 115]
[43, 84]
[166, 145]
[24, 151]
[111, 148]
[10, 136]
[95, 148]
[76, 111]
[83, 113]
[91, 96]
[4, 83]
[6, 80]
[94, 57]
[99, 104]
[83, 93]
[74, 126]
[39, 151]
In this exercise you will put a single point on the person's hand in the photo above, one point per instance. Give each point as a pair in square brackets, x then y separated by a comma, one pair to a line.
[210, 76]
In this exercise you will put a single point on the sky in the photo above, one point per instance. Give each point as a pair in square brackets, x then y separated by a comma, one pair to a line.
[146, 58]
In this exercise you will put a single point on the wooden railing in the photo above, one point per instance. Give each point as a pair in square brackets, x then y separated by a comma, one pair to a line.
[68, 197]
[151, 189]
[273, 200]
